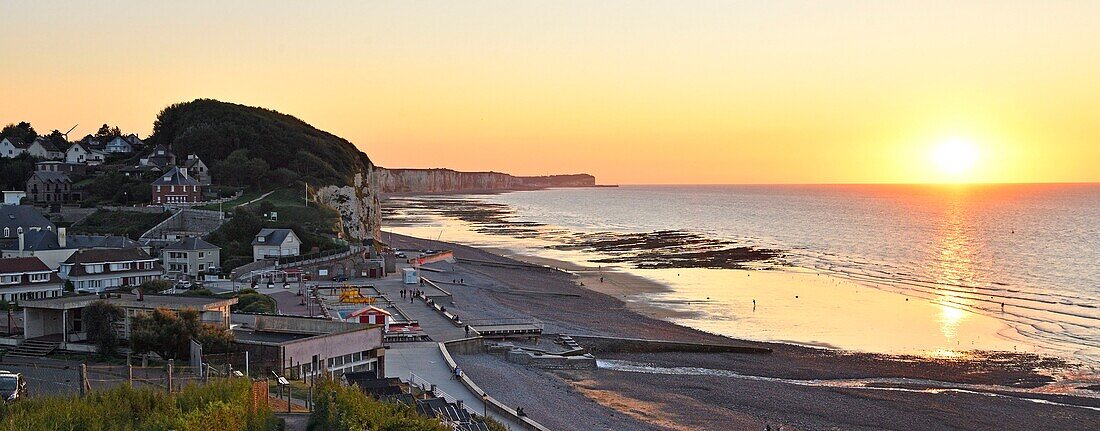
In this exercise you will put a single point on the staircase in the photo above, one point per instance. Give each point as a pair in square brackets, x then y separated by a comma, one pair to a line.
[33, 349]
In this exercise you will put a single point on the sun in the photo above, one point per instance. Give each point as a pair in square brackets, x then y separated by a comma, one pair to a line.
[955, 156]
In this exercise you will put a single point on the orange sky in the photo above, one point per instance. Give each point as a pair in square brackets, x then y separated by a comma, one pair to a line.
[632, 92]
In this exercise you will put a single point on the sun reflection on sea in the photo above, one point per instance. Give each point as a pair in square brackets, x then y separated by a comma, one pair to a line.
[953, 268]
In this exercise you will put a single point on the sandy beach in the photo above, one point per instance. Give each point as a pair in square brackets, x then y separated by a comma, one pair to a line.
[798, 387]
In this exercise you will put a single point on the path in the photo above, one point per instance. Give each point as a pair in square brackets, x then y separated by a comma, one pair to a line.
[426, 362]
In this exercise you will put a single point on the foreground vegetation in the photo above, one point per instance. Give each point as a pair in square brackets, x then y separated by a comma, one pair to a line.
[349, 409]
[217, 406]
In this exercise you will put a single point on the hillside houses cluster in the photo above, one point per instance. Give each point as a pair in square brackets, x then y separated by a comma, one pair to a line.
[174, 181]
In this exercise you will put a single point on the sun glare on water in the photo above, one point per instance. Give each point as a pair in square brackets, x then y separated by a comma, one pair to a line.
[955, 157]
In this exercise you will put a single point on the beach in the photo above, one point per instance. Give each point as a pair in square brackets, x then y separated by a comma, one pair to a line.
[797, 386]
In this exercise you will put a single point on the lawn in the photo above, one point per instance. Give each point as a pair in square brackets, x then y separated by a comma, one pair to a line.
[130, 224]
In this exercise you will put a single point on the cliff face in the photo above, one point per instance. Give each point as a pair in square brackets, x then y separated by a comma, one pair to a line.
[360, 211]
[447, 180]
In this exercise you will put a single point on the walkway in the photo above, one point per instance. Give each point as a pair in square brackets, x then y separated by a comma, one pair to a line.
[426, 362]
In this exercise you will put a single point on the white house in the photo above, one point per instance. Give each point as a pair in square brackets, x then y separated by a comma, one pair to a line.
[97, 270]
[81, 153]
[23, 278]
[119, 145]
[272, 243]
[12, 147]
[44, 149]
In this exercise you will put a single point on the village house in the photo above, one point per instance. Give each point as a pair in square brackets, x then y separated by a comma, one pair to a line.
[23, 278]
[98, 270]
[44, 149]
[81, 153]
[197, 169]
[176, 186]
[16, 219]
[191, 257]
[52, 248]
[61, 319]
[119, 145]
[46, 187]
[12, 147]
[275, 243]
[159, 157]
[74, 170]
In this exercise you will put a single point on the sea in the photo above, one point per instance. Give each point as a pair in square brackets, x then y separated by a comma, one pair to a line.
[906, 269]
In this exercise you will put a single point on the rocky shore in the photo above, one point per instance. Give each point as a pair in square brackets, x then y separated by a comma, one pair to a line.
[800, 388]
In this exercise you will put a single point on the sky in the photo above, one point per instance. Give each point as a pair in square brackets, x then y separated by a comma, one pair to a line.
[633, 92]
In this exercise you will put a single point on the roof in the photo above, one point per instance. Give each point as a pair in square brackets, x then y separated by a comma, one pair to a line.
[272, 236]
[119, 140]
[24, 216]
[175, 177]
[253, 336]
[13, 265]
[17, 143]
[36, 240]
[47, 144]
[51, 176]
[101, 255]
[100, 241]
[370, 309]
[191, 161]
[172, 302]
[191, 243]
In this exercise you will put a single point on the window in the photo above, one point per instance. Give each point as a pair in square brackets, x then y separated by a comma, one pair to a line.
[202, 254]
[9, 279]
[40, 277]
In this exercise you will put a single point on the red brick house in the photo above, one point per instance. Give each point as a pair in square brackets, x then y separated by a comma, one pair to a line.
[176, 186]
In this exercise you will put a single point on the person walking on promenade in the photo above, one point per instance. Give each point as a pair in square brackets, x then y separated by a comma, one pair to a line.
[467, 330]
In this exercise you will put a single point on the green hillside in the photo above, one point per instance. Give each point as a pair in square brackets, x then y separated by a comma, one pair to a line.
[258, 147]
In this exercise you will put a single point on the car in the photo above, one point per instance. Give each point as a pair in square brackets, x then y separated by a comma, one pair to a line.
[401, 255]
[13, 387]
[340, 278]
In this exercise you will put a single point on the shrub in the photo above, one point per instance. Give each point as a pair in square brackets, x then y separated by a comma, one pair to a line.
[348, 409]
[220, 405]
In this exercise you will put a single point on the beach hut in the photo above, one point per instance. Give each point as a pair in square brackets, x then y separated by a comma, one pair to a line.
[370, 315]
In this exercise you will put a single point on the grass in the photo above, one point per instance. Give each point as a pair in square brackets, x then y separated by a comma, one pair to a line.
[222, 404]
[228, 205]
[123, 223]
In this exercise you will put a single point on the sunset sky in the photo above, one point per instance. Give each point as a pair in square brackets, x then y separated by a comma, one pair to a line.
[630, 91]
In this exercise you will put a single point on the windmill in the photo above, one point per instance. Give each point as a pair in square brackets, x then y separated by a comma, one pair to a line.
[66, 134]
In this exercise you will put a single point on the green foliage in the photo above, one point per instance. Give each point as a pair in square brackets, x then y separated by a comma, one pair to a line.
[220, 405]
[130, 224]
[116, 188]
[15, 171]
[343, 408]
[22, 131]
[314, 226]
[214, 130]
[99, 319]
[238, 169]
[251, 301]
[169, 335]
[155, 286]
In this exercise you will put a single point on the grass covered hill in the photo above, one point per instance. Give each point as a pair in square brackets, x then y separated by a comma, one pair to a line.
[289, 148]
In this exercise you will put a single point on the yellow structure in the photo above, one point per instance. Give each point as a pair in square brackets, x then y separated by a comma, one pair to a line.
[352, 296]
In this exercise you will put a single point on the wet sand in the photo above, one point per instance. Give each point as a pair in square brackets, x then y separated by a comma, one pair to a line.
[718, 402]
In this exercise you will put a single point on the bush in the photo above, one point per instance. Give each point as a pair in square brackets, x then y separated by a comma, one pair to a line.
[100, 319]
[155, 286]
[220, 405]
[349, 409]
[169, 335]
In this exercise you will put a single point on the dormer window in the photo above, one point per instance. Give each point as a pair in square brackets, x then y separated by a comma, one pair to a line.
[260, 239]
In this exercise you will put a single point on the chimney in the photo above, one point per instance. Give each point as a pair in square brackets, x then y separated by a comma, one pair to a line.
[22, 242]
[61, 239]
[183, 171]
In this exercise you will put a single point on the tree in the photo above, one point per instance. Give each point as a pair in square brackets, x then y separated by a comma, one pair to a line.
[58, 140]
[22, 131]
[107, 132]
[169, 335]
[99, 319]
[15, 171]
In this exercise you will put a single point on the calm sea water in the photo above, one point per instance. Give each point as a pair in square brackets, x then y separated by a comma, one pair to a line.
[1033, 248]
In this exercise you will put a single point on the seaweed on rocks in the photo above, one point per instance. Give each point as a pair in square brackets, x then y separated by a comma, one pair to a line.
[657, 249]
